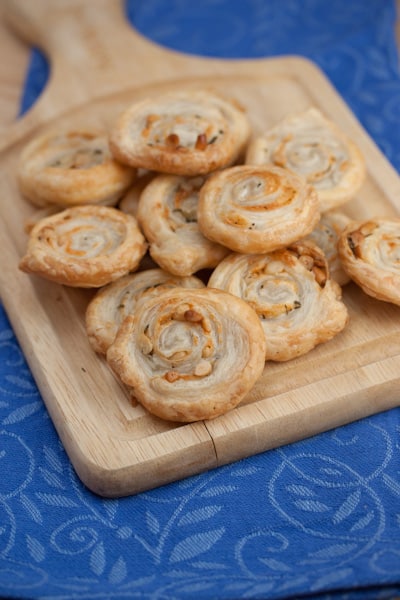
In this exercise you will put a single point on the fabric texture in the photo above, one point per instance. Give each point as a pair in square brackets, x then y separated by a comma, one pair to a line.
[317, 519]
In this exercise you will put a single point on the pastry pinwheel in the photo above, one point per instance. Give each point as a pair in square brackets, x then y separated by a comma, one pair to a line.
[114, 302]
[326, 235]
[189, 354]
[190, 132]
[129, 202]
[313, 146]
[167, 214]
[84, 246]
[298, 305]
[72, 168]
[370, 254]
[253, 209]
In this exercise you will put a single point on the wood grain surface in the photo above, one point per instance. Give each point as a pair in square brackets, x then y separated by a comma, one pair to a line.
[115, 447]
[12, 72]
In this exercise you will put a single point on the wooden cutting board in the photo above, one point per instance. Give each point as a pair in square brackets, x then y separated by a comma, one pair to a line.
[99, 65]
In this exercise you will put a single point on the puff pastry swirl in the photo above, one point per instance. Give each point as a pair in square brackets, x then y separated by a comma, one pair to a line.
[326, 235]
[129, 202]
[189, 132]
[370, 254]
[72, 168]
[298, 305]
[311, 145]
[114, 302]
[189, 354]
[84, 246]
[167, 214]
[253, 209]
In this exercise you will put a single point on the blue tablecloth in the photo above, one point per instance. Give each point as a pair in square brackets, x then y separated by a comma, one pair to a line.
[318, 518]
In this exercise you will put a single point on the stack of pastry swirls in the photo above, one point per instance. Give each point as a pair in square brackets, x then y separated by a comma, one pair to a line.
[214, 250]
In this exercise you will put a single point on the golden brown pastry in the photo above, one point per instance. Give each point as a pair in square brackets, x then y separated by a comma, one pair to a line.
[40, 214]
[370, 254]
[311, 145]
[189, 354]
[72, 168]
[256, 209]
[167, 214]
[129, 202]
[188, 132]
[298, 305]
[326, 234]
[114, 302]
[84, 246]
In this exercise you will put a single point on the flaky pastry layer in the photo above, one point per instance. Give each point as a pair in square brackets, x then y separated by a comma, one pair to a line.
[326, 235]
[167, 214]
[84, 246]
[117, 300]
[182, 133]
[72, 168]
[253, 209]
[189, 354]
[297, 303]
[370, 254]
[313, 146]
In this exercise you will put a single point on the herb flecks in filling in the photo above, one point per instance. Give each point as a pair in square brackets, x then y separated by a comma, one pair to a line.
[83, 158]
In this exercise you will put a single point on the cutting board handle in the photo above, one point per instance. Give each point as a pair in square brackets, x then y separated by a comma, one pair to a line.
[50, 24]
[88, 44]
[93, 51]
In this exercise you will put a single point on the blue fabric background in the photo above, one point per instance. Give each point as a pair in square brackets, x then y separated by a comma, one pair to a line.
[319, 518]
